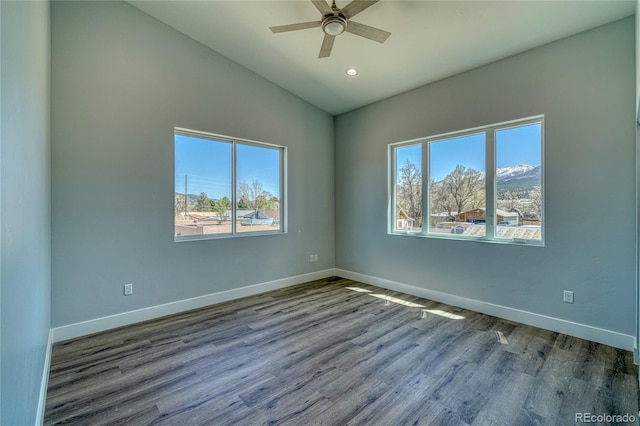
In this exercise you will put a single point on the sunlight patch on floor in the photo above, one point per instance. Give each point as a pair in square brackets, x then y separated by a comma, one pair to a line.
[396, 300]
[358, 289]
[442, 314]
[501, 339]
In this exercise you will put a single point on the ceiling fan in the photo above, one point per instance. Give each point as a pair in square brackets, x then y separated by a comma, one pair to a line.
[335, 21]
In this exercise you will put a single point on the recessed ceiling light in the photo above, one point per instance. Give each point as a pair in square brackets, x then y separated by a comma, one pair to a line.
[351, 71]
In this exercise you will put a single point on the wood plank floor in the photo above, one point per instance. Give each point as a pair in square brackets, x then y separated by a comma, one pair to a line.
[335, 352]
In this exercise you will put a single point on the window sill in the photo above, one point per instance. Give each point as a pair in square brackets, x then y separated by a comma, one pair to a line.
[531, 243]
[182, 239]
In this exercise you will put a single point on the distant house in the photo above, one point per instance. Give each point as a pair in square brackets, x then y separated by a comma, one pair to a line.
[241, 213]
[255, 215]
[256, 218]
[273, 214]
[479, 216]
[442, 217]
[529, 218]
[201, 215]
[247, 213]
[403, 221]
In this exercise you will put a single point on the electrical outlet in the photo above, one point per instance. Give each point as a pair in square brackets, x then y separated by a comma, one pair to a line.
[313, 258]
[567, 296]
[128, 289]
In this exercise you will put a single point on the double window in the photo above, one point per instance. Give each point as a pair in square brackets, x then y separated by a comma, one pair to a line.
[483, 184]
[227, 187]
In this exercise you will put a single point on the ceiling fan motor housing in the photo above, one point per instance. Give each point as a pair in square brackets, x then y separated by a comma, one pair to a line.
[334, 24]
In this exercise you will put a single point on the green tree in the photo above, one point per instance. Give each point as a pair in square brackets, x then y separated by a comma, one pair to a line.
[242, 203]
[272, 202]
[221, 207]
[202, 203]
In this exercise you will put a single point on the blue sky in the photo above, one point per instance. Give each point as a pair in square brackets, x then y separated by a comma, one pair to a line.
[208, 166]
[518, 145]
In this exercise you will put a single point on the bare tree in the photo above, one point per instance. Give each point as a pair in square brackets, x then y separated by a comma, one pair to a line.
[179, 204]
[253, 196]
[508, 200]
[465, 187]
[440, 201]
[409, 191]
[535, 196]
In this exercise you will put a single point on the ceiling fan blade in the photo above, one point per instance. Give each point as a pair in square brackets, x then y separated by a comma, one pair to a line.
[357, 6]
[295, 27]
[322, 6]
[327, 45]
[366, 31]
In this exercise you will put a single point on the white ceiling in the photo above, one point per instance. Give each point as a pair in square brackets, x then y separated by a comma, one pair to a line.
[430, 40]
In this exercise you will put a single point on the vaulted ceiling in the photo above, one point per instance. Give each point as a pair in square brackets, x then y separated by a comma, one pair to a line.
[430, 40]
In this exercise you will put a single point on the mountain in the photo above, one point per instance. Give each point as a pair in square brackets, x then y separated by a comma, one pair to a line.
[518, 178]
[191, 197]
[192, 200]
[514, 172]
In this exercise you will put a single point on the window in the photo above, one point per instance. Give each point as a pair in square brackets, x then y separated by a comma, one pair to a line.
[226, 187]
[456, 184]
[480, 184]
[408, 195]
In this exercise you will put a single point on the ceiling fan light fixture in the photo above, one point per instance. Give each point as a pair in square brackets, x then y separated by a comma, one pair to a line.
[334, 25]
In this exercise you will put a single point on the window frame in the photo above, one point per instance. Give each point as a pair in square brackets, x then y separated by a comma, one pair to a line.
[234, 142]
[490, 182]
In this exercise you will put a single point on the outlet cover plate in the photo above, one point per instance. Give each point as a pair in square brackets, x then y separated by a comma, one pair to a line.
[567, 296]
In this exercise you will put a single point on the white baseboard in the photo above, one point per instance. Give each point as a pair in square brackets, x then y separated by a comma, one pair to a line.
[587, 332]
[607, 337]
[45, 381]
[84, 328]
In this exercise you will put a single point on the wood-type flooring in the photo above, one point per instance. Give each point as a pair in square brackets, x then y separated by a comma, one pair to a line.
[335, 352]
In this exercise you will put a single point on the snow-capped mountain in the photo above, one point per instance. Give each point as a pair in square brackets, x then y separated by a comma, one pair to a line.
[522, 171]
[520, 177]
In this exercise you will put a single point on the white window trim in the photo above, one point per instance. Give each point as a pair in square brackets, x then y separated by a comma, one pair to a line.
[234, 141]
[490, 182]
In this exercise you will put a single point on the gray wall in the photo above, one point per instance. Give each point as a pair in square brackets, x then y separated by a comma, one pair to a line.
[121, 81]
[25, 208]
[637, 51]
[584, 86]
